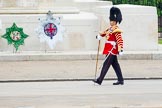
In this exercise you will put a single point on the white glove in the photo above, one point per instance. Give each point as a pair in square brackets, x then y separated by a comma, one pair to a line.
[98, 37]
[121, 52]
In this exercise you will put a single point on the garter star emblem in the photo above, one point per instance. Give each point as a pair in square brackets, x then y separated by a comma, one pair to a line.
[50, 30]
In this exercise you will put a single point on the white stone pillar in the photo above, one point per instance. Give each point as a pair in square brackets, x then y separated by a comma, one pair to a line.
[64, 3]
[7, 3]
[46, 4]
[14, 4]
[90, 5]
[28, 4]
[1, 3]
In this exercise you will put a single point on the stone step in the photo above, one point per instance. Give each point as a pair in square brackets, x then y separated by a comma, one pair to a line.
[76, 55]
[65, 70]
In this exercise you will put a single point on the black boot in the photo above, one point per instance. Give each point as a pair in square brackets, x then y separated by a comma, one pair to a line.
[119, 83]
[96, 81]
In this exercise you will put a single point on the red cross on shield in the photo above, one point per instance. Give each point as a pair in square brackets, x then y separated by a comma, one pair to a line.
[50, 29]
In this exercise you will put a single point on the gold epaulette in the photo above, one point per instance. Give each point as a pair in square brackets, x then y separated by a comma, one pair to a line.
[117, 30]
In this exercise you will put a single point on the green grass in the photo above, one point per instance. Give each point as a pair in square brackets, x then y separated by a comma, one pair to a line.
[160, 41]
[160, 29]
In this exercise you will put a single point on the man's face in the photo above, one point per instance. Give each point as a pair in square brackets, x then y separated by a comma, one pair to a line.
[112, 23]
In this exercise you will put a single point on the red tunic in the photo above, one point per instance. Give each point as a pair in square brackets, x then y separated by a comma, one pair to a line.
[114, 36]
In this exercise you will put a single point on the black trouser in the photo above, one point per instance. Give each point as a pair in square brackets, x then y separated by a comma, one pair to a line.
[111, 60]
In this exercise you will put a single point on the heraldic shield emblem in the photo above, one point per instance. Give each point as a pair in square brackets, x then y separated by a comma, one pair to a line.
[50, 29]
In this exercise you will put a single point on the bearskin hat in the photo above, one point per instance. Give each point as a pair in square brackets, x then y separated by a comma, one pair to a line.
[115, 15]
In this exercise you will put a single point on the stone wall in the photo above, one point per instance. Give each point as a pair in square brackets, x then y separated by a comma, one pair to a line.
[18, 4]
[82, 24]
